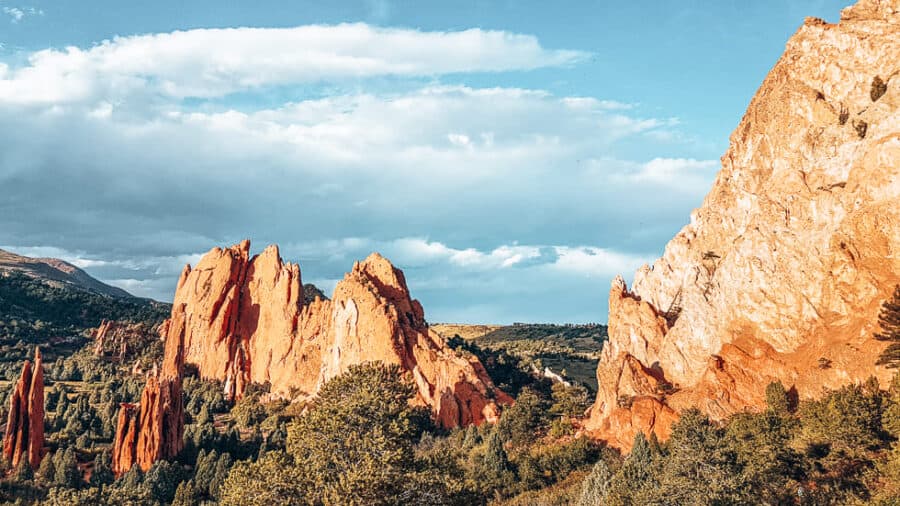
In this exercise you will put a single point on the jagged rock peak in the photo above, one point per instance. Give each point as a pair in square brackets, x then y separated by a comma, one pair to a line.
[781, 272]
[152, 430]
[24, 438]
[244, 320]
[873, 10]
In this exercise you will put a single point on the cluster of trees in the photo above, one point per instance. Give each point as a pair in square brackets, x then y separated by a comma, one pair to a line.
[574, 348]
[841, 449]
[35, 310]
[361, 441]
[82, 397]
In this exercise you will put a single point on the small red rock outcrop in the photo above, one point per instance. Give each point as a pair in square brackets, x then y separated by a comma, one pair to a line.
[113, 337]
[781, 272]
[152, 430]
[24, 438]
[244, 320]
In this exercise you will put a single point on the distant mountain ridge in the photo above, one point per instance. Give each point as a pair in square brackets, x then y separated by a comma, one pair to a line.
[57, 271]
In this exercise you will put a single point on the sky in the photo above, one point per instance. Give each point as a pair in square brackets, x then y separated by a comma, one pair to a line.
[511, 157]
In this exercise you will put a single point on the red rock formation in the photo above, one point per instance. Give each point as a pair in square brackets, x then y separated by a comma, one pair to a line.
[244, 320]
[153, 429]
[24, 436]
[124, 455]
[781, 272]
[113, 337]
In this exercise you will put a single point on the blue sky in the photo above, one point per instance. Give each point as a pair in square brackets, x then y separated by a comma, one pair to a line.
[511, 157]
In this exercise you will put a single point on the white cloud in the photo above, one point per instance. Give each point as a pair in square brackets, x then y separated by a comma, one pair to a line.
[216, 62]
[670, 170]
[597, 262]
[482, 194]
[16, 14]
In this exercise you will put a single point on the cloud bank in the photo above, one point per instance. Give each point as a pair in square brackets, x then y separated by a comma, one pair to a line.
[501, 203]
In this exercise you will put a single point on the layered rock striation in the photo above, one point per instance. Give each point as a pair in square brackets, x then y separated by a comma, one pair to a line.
[24, 438]
[244, 321]
[152, 430]
[781, 271]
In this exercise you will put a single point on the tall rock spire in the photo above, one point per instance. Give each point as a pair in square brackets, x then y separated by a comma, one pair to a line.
[24, 438]
[153, 429]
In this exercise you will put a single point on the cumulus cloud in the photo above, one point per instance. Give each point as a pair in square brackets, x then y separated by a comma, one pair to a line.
[208, 63]
[484, 195]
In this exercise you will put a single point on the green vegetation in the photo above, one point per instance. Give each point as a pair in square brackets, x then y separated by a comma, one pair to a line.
[513, 353]
[840, 449]
[33, 311]
[889, 320]
[360, 441]
[363, 439]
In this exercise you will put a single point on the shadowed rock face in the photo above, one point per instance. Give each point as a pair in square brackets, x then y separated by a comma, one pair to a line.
[244, 320]
[153, 429]
[781, 272]
[24, 437]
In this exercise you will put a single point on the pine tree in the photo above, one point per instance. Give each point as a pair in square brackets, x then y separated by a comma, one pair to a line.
[777, 399]
[46, 471]
[496, 461]
[889, 320]
[23, 471]
[186, 494]
[594, 488]
[102, 473]
[67, 473]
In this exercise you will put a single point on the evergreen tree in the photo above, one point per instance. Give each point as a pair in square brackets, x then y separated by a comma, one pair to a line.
[102, 473]
[777, 399]
[66, 472]
[354, 446]
[519, 422]
[595, 487]
[569, 400]
[889, 320]
[890, 419]
[186, 494]
[701, 467]
[635, 483]
[161, 481]
[46, 472]
[496, 460]
[203, 417]
[23, 471]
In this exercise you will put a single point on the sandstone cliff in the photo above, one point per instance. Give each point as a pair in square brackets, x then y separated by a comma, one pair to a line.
[781, 271]
[24, 438]
[152, 430]
[244, 320]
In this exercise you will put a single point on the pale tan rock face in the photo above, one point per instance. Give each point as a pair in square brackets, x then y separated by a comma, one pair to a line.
[782, 270]
[244, 320]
